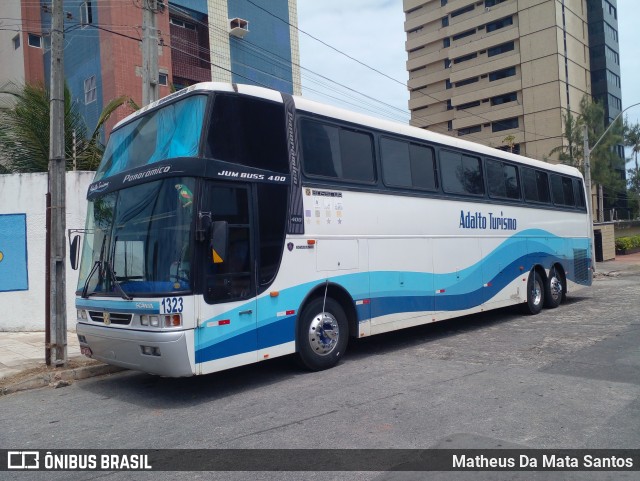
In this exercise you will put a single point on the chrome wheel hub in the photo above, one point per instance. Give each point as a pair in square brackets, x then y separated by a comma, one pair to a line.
[556, 288]
[324, 333]
[536, 293]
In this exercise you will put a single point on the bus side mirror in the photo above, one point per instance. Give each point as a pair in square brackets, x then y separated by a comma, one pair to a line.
[219, 241]
[74, 252]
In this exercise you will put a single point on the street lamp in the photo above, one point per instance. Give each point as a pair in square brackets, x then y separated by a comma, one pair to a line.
[587, 171]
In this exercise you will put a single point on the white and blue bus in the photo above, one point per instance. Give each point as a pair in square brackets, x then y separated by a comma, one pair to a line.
[229, 224]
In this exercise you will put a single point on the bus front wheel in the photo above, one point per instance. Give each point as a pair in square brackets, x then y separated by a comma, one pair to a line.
[535, 294]
[323, 333]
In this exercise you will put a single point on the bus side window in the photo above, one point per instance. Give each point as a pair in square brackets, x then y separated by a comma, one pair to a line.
[248, 131]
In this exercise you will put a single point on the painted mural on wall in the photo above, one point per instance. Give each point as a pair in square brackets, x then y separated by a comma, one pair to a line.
[13, 253]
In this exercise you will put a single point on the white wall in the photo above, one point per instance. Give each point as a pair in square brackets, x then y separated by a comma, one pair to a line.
[25, 194]
[11, 59]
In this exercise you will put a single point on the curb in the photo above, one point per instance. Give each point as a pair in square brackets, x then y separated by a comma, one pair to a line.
[60, 378]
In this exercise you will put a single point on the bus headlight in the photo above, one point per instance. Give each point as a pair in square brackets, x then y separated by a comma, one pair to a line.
[144, 320]
[154, 321]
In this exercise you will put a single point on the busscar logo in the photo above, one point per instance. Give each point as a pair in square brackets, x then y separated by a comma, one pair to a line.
[23, 460]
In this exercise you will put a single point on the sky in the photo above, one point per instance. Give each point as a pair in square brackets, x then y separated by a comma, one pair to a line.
[372, 31]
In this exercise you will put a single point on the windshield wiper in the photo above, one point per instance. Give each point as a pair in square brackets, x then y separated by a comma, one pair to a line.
[95, 267]
[102, 265]
[119, 288]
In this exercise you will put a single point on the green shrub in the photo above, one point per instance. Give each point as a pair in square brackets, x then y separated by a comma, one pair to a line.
[625, 243]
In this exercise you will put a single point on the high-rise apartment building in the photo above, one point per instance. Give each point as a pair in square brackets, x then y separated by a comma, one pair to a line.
[242, 41]
[499, 72]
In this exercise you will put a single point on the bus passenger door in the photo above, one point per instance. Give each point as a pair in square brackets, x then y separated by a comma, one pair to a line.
[227, 336]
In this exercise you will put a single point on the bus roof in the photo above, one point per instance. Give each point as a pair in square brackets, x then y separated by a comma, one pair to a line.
[338, 113]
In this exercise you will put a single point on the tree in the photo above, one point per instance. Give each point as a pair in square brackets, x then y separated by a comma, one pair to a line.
[24, 130]
[606, 164]
[509, 141]
[633, 179]
[571, 153]
[632, 139]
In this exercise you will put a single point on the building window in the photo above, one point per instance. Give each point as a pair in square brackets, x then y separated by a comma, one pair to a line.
[16, 42]
[468, 105]
[612, 55]
[500, 74]
[448, 84]
[468, 81]
[447, 63]
[90, 91]
[615, 102]
[462, 10]
[498, 49]
[610, 32]
[464, 58]
[613, 79]
[503, 99]
[491, 3]
[446, 42]
[443, 3]
[464, 34]
[498, 24]
[163, 79]
[450, 125]
[469, 130]
[505, 124]
[86, 14]
[607, 7]
[35, 40]
[445, 21]
[181, 23]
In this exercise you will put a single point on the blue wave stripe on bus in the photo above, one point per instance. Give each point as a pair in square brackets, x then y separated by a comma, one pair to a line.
[498, 268]
[278, 332]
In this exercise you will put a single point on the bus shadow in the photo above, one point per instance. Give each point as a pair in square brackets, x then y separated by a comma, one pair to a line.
[157, 392]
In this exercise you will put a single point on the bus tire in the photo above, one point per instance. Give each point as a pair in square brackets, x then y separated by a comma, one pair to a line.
[553, 289]
[535, 294]
[322, 334]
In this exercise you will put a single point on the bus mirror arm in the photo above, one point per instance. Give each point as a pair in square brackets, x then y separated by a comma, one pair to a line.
[204, 226]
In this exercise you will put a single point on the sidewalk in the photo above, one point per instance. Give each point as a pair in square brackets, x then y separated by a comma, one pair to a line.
[22, 354]
[22, 363]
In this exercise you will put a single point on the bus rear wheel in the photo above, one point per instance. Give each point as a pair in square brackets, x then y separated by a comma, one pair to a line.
[535, 294]
[323, 333]
[554, 289]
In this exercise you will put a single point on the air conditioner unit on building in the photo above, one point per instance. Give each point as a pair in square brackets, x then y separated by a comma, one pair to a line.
[238, 27]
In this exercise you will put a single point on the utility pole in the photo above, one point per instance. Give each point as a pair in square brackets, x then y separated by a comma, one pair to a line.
[149, 52]
[587, 181]
[57, 333]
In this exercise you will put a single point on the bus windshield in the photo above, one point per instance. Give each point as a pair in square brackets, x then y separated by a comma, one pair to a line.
[138, 240]
[169, 132]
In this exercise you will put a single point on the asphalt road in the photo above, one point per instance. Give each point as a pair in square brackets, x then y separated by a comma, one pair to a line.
[566, 378]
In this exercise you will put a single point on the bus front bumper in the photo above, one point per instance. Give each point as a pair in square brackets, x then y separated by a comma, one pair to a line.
[162, 353]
